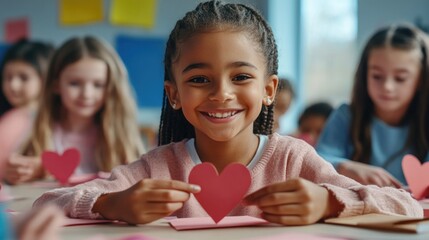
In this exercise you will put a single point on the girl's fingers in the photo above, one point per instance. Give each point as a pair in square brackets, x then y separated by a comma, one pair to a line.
[163, 208]
[394, 182]
[41, 222]
[278, 198]
[49, 228]
[288, 186]
[23, 171]
[377, 180]
[170, 184]
[163, 195]
[286, 210]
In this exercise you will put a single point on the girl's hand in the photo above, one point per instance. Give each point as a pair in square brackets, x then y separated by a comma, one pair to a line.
[146, 201]
[294, 202]
[367, 174]
[22, 169]
[42, 223]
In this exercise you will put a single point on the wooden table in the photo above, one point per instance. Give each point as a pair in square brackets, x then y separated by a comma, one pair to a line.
[161, 230]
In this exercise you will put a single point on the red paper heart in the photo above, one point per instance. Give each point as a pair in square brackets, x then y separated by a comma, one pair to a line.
[417, 176]
[220, 193]
[61, 166]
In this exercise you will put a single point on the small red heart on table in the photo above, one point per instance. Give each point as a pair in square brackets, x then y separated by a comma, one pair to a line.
[417, 176]
[220, 193]
[61, 166]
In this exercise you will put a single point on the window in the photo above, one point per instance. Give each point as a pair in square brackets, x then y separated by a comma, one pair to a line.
[317, 50]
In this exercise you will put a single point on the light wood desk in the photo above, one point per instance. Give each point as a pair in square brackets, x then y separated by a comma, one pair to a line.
[161, 230]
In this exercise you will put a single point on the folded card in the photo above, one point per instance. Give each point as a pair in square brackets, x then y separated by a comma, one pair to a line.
[207, 222]
[384, 222]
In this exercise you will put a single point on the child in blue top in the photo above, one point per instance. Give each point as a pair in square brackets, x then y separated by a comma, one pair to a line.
[389, 114]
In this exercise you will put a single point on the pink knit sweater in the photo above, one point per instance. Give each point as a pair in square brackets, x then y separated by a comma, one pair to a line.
[284, 158]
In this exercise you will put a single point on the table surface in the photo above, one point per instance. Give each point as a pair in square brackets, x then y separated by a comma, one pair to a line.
[161, 230]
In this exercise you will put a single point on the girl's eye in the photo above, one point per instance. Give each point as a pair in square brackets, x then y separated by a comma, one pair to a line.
[99, 85]
[199, 80]
[377, 77]
[241, 77]
[400, 79]
[74, 83]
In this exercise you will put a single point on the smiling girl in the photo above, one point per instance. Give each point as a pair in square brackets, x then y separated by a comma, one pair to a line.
[220, 82]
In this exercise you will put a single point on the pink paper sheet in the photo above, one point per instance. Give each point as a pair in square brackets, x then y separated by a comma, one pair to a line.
[130, 237]
[206, 222]
[76, 222]
[297, 236]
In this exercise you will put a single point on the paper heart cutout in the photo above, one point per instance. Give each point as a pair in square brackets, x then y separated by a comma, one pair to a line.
[417, 176]
[220, 193]
[61, 166]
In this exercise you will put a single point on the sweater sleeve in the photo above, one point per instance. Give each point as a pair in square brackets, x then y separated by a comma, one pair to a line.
[78, 201]
[334, 140]
[356, 198]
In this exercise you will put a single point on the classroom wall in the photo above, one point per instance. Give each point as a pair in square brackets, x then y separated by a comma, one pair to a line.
[373, 14]
[43, 15]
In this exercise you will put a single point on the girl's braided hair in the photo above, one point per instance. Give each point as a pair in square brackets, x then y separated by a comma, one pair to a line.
[209, 16]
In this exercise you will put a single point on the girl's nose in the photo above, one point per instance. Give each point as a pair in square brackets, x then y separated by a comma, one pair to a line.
[221, 91]
[389, 84]
[87, 91]
[15, 83]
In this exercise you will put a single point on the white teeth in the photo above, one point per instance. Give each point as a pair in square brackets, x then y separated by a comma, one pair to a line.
[222, 115]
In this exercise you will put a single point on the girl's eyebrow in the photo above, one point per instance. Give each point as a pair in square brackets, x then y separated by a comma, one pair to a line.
[194, 66]
[399, 70]
[374, 67]
[231, 65]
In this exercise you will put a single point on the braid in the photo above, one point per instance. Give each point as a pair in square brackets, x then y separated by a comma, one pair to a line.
[215, 15]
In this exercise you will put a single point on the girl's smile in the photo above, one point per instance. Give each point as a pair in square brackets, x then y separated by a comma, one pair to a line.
[221, 116]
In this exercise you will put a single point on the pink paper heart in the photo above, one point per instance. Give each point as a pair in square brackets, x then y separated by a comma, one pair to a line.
[61, 166]
[220, 193]
[417, 176]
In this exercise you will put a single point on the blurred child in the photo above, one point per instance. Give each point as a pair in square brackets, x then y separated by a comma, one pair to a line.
[219, 86]
[312, 121]
[284, 96]
[40, 223]
[87, 104]
[389, 113]
[23, 72]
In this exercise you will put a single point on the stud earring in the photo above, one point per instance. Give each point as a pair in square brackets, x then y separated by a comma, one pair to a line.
[269, 101]
[173, 106]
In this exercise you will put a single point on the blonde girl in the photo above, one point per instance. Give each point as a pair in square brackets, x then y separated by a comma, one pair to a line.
[87, 103]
